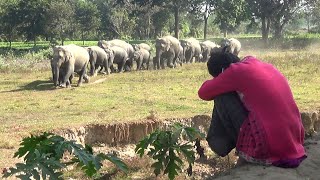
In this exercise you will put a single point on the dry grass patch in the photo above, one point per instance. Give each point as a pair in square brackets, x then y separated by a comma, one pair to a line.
[31, 104]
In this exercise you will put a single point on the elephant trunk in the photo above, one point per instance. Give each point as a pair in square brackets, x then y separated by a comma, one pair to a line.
[55, 71]
[184, 54]
[158, 59]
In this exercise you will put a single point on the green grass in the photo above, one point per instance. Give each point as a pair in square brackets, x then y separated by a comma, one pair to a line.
[31, 104]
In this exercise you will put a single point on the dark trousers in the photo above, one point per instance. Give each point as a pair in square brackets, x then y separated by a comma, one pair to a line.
[227, 118]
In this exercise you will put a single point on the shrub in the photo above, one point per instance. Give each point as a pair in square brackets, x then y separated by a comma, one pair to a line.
[43, 157]
[166, 147]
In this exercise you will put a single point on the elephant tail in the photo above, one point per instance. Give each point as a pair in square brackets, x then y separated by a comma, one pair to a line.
[90, 51]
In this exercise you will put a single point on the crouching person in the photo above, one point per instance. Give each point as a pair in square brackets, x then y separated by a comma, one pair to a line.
[254, 112]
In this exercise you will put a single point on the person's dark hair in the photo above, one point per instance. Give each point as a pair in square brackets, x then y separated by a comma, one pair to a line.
[220, 60]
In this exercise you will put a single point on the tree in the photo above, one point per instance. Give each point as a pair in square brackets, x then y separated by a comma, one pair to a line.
[230, 13]
[203, 8]
[176, 7]
[312, 14]
[283, 10]
[160, 20]
[9, 20]
[32, 18]
[87, 17]
[106, 9]
[279, 12]
[59, 24]
[117, 20]
[262, 9]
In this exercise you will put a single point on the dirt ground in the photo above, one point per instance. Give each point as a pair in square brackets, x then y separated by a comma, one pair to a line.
[225, 169]
[309, 168]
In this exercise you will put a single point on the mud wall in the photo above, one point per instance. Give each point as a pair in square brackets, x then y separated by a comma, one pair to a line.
[132, 132]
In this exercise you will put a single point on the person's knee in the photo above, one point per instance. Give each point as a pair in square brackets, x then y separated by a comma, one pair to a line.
[219, 146]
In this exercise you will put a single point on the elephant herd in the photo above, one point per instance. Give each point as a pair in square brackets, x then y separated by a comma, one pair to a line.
[70, 59]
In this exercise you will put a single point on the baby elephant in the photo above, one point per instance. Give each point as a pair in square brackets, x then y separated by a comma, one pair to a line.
[142, 57]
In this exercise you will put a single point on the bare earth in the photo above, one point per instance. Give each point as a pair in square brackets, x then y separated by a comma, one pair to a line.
[309, 168]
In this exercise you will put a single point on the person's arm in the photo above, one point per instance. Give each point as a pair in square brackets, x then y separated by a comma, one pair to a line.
[225, 82]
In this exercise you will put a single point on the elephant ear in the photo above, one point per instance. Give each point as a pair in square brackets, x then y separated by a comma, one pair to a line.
[140, 55]
[159, 42]
[225, 49]
[203, 46]
[136, 54]
[169, 44]
[68, 56]
[111, 55]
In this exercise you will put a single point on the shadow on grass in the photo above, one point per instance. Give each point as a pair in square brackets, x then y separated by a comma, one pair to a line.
[38, 85]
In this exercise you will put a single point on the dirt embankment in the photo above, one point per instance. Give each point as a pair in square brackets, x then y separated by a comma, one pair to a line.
[121, 138]
[132, 132]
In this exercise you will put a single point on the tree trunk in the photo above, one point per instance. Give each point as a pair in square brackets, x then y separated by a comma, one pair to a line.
[149, 27]
[176, 22]
[205, 27]
[205, 16]
[265, 29]
[225, 33]
[34, 42]
[82, 38]
[308, 23]
[10, 40]
[277, 28]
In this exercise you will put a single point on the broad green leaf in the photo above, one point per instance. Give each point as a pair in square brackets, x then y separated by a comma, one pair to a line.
[115, 160]
[158, 167]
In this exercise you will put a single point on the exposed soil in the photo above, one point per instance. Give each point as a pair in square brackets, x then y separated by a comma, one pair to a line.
[121, 138]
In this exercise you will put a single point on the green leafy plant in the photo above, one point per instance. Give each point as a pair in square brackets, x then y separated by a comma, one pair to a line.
[43, 156]
[169, 149]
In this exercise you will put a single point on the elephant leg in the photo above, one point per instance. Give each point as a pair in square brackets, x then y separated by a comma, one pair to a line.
[93, 67]
[106, 67]
[139, 63]
[68, 74]
[121, 66]
[162, 63]
[148, 64]
[83, 75]
[113, 70]
[170, 62]
[100, 70]
[154, 66]
[97, 70]
[69, 82]
[191, 57]
[86, 78]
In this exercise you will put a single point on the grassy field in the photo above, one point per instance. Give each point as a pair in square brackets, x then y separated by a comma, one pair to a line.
[31, 104]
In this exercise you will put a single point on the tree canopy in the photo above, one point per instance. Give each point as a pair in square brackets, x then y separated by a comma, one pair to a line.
[58, 20]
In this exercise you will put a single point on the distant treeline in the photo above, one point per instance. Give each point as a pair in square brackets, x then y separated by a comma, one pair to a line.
[60, 20]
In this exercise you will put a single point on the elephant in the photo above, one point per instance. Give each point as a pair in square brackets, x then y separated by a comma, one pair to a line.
[67, 60]
[167, 47]
[99, 58]
[142, 57]
[191, 48]
[118, 56]
[141, 45]
[232, 45]
[120, 43]
[181, 56]
[208, 47]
